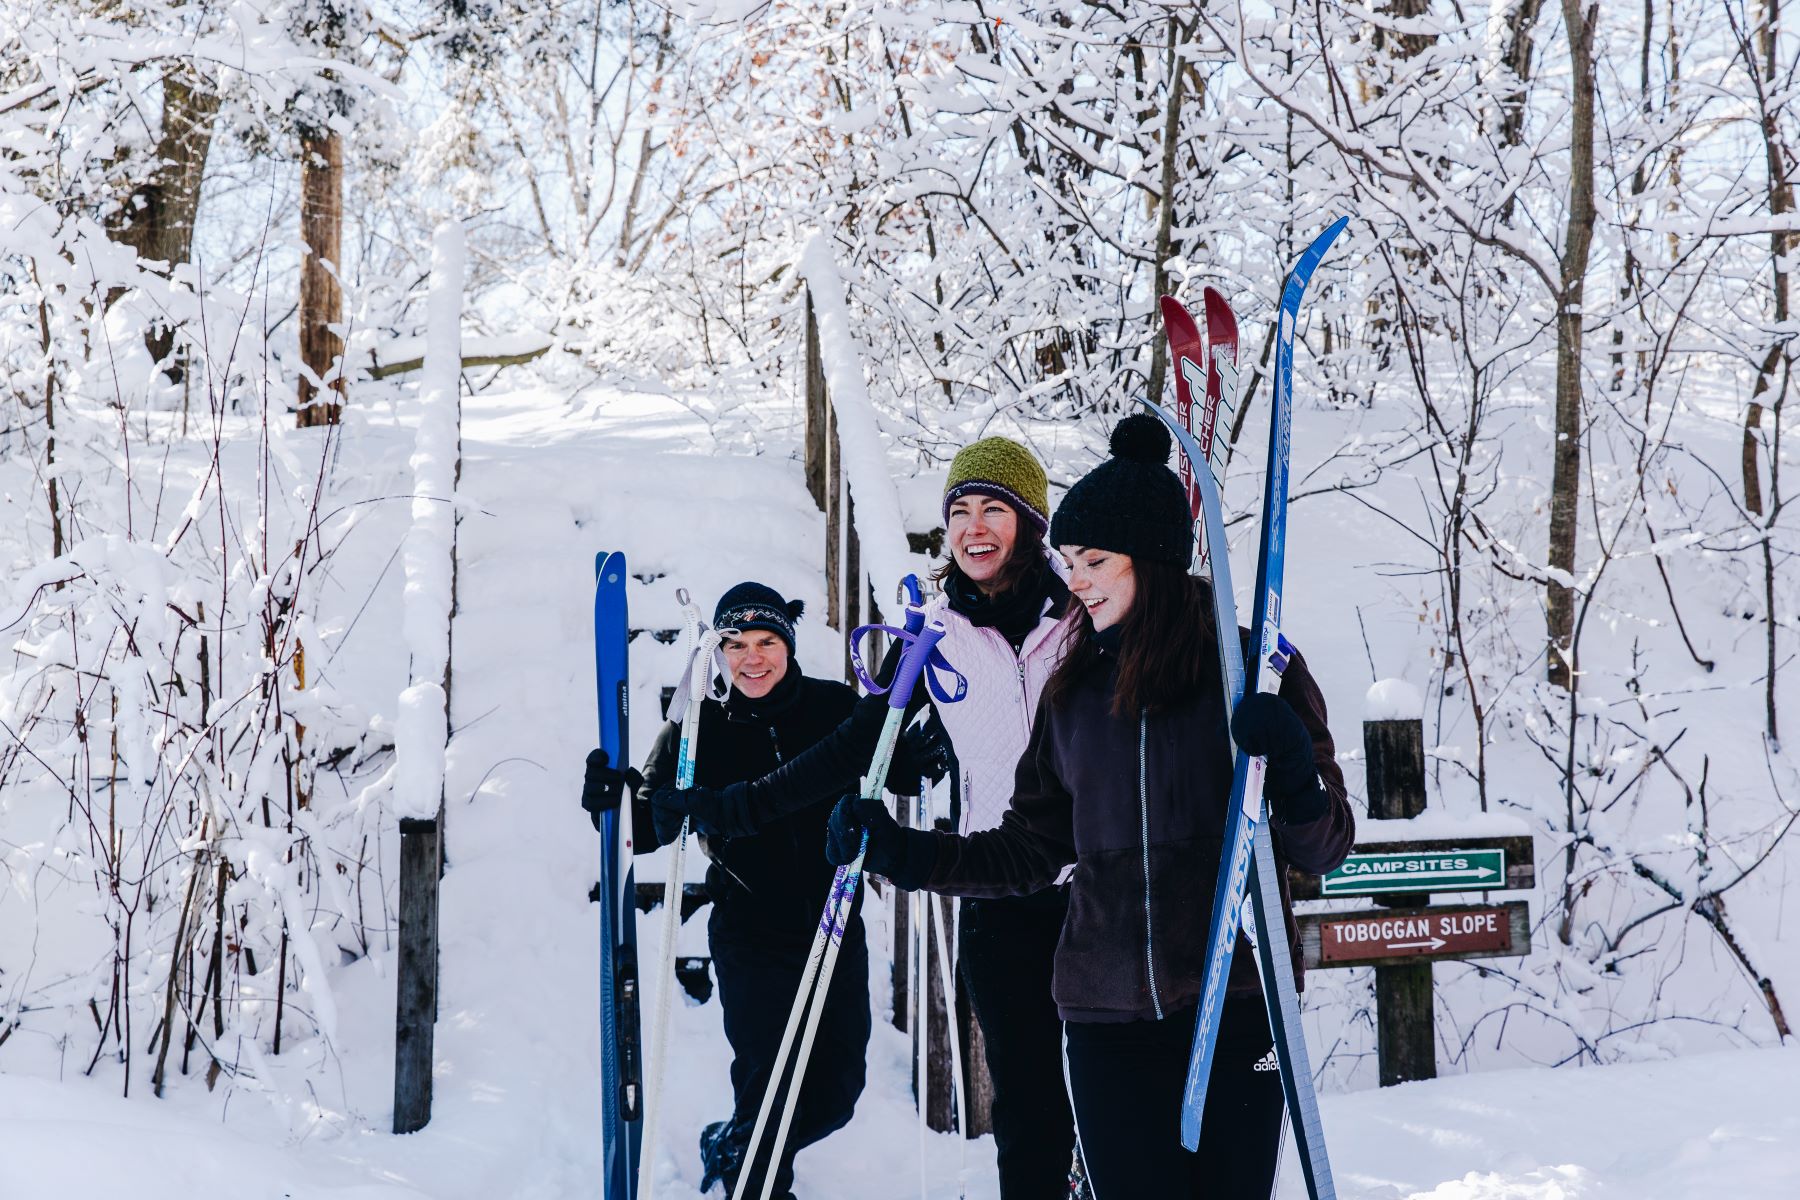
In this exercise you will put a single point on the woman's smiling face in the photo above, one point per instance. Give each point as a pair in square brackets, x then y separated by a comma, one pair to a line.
[1102, 581]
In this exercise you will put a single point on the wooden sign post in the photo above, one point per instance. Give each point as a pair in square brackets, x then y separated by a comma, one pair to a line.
[1402, 936]
[1406, 1028]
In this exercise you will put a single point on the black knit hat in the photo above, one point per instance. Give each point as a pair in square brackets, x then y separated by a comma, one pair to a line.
[1131, 503]
[758, 606]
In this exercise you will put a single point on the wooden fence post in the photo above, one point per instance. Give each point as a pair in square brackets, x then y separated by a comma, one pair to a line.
[1406, 1041]
[428, 626]
[416, 1001]
[848, 603]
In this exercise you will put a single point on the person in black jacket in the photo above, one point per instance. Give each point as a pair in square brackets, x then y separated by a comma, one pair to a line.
[1127, 777]
[767, 882]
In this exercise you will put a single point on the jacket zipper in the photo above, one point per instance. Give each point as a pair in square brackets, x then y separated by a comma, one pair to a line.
[1144, 828]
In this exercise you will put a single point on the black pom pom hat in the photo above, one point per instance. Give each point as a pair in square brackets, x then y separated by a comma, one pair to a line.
[758, 606]
[1132, 503]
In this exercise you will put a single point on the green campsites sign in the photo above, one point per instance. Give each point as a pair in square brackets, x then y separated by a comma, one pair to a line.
[1424, 871]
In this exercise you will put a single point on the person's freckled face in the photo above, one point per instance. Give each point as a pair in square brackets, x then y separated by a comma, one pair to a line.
[982, 531]
[1102, 582]
[758, 660]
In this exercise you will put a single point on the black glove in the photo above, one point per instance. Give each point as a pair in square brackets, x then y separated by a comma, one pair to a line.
[927, 747]
[905, 856]
[716, 812]
[604, 786]
[1266, 725]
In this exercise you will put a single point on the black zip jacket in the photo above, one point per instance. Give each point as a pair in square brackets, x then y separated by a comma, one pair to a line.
[1138, 805]
[774, 881]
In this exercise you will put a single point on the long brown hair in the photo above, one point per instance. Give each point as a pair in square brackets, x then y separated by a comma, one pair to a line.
[1167, 649]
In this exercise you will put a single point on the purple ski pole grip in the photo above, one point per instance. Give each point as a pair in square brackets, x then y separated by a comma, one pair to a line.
[912, 596]
[918, 652]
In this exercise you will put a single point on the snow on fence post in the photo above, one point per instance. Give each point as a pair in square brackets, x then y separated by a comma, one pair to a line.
[873, 507]
[422, 726]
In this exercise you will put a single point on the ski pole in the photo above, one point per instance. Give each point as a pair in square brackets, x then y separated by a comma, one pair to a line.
[945, 981]
[708, 675]
[920, 658]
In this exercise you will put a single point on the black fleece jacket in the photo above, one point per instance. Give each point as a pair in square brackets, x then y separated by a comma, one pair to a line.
[1137, 804]
[771, 883]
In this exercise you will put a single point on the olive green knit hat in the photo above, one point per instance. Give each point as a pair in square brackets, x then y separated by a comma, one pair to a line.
[998, 466]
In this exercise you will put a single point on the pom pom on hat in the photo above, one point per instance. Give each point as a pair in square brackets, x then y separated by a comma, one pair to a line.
[1141, 438]
[1132, 503]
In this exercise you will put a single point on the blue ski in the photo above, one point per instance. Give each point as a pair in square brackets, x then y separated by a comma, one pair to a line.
[621, 1090]
[1245, 855]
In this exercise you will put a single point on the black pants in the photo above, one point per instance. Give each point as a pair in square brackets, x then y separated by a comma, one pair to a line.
[1127, 1081]
[757, 983]
[1005, 954]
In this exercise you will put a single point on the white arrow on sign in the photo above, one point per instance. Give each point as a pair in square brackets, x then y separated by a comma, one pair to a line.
[1433, 944]
[1412, 876]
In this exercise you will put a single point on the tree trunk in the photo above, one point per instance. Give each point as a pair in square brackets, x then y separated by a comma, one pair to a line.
[1165, 223]
[1521, 23]
[1565, 478]
[1781, 202]
[321, 295]
[157, 219]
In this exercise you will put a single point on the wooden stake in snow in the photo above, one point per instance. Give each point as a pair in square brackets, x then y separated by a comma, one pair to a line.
[422, 726]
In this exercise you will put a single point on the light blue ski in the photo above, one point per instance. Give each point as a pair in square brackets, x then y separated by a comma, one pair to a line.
[1245, 855]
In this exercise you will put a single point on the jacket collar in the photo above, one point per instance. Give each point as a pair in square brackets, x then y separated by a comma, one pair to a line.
[764, 709]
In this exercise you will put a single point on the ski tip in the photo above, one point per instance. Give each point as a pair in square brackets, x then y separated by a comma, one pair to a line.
[1177, 319]
[1190, 1130]
[608, 562]
[1221, 322]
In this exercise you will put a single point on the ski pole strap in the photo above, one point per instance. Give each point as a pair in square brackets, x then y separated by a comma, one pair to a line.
[912, 599]
[921, 656]
[706, 676]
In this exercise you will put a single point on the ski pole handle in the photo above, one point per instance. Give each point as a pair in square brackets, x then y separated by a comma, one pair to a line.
[921, 656]
[919, 653]
[912, 598]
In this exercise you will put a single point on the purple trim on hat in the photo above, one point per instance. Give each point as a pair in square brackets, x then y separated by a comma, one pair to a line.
[984, 487]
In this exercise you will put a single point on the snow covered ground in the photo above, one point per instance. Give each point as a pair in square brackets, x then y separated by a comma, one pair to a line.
[546, 484]
[1716, 1125]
